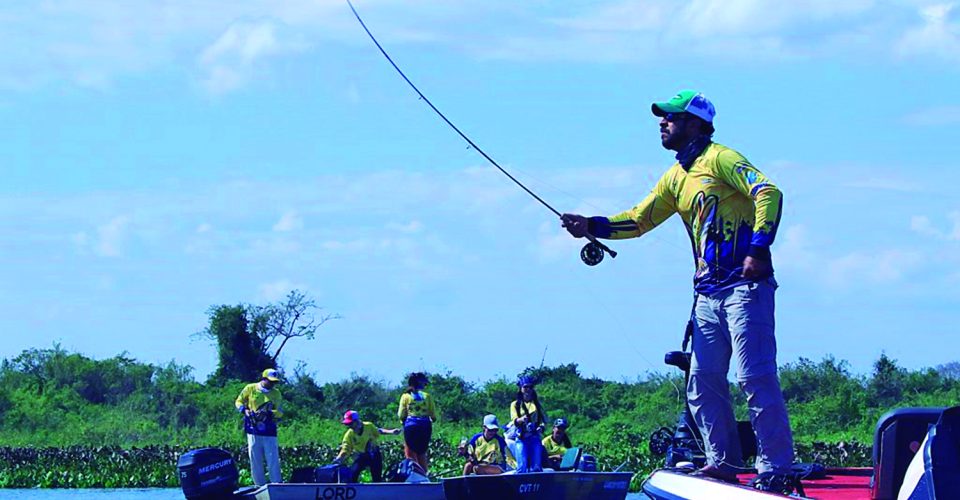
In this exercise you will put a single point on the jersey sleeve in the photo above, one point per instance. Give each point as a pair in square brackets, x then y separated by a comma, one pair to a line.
[403, 410]
[278, 404]
[737, 172]
[241, 401]
[657, 207]
[346, 446]
[431, 408]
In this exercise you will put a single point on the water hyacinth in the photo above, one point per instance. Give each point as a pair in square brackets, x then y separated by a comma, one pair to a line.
[156, 466]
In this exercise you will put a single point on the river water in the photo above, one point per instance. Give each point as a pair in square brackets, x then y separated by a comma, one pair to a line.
[117, 494]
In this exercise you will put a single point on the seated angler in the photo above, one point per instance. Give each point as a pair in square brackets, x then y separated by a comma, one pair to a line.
[557, 443]
[487, 452]
[359, 449]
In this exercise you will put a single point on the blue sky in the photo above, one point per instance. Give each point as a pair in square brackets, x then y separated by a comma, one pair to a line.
[163, 157]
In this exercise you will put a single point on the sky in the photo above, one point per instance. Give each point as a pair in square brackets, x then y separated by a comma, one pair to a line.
[163, 157]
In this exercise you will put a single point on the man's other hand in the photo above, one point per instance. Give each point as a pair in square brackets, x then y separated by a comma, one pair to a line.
[754, 268]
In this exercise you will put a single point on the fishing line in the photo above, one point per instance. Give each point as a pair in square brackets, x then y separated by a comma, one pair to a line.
[591, 254]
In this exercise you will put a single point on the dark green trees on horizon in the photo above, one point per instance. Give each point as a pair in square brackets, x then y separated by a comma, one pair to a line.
[249, 338]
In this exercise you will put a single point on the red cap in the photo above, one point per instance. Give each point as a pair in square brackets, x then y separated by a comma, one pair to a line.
[350, 417]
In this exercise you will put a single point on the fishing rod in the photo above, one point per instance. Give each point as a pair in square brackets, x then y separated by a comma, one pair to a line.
[591, 254]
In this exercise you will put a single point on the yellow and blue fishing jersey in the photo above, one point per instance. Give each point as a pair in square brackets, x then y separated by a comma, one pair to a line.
[730, 209]
[552, 447]
[516, 413]
[494, 451]
[416, 404]
[358, 443]
[254, 398]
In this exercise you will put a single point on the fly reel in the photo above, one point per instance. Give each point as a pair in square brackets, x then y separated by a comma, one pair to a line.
[592, 253]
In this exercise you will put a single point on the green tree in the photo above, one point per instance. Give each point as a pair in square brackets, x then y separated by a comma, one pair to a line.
[240, 353]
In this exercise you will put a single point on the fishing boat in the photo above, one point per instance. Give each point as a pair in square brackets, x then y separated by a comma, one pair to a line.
[356, 491]
[916, 456]
[547, 485]
[211, 474]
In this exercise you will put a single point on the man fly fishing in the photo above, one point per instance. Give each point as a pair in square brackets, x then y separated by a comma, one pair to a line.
[731, 212]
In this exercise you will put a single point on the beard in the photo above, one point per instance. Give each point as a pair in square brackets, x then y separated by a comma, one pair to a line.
[674, 141]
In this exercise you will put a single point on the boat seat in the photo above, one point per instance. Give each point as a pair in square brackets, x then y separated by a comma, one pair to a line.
[897, 439]
[571, 459]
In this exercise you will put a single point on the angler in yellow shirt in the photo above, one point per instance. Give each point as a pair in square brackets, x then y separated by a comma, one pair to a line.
[731, 212]
[360, 446]
[261, 405]
[557, 443]
[487, 452]
[417, 414]
[529, 420]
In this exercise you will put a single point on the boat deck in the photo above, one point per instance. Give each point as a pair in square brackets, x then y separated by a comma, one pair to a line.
[840, 484]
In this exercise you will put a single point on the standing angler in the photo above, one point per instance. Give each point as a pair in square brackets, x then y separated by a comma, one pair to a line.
[260, 404]
[731, 212]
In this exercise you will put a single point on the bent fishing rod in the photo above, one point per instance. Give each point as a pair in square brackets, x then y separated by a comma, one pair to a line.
[591, 254]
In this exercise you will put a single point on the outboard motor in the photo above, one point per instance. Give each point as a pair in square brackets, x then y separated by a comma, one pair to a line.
[208, 474]
[588, 463]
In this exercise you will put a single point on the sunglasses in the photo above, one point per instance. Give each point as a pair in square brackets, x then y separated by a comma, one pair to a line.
[673, 117]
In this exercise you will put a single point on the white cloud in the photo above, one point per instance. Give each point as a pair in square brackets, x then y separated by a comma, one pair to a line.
[92, 42]
[939, 36]
[411, 227]
[884, 267]
[886, 183]
[110, 237]
[922, 225]
[932, 117]
[795, 248]
[279, 289]
[232, 59]
[289, 221]
[555, 243]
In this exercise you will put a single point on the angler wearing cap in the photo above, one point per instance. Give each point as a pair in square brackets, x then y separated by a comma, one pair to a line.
[360, 446]
[731, 212]
[487, 452]
[528, 421]
[262, 406]
[557, 443]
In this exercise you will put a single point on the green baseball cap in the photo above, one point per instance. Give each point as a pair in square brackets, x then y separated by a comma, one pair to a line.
[687, 101]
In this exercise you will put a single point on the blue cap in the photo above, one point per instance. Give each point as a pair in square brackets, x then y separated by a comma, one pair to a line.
[561, 423]
[526, 380]
[490, 422]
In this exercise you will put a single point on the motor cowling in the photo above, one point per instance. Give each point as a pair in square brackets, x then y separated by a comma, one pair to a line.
[207, 474]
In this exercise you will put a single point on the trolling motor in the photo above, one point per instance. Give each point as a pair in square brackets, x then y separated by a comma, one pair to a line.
[682, 442]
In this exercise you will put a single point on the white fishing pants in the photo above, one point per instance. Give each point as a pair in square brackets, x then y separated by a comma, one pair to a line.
[739, 323]
[264, 453]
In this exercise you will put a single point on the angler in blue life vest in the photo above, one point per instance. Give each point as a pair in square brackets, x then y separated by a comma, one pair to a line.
[417, 414]
[261, 405]
[528, 421]
[487, 452]
[731, 212]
